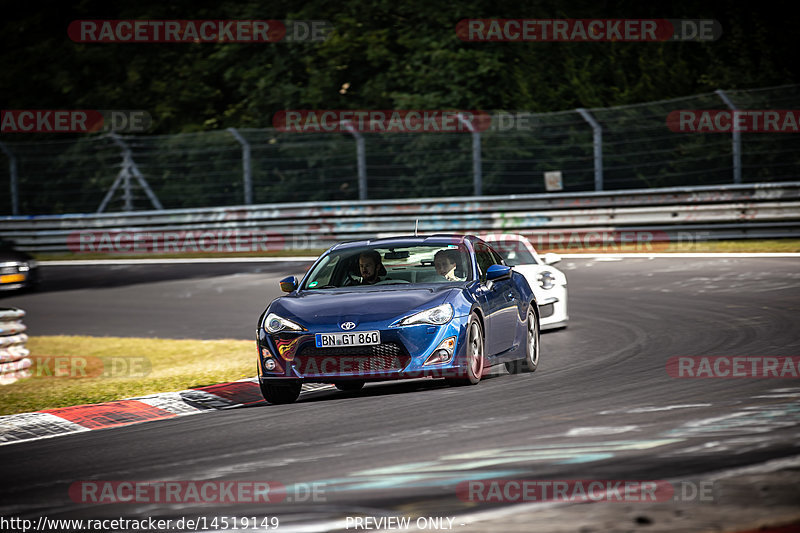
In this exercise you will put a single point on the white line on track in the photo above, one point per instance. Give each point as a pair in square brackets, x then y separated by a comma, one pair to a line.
[601, 430]
[653, 409]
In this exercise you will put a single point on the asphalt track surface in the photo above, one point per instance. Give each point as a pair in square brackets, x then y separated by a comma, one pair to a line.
[600, 406]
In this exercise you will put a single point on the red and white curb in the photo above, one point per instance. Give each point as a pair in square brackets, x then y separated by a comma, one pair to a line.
[66, 420]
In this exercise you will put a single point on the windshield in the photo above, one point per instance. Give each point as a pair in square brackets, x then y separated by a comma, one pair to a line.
[412, 264]
[513, 252]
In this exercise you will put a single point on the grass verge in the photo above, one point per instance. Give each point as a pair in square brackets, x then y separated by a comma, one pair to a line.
[73, 370]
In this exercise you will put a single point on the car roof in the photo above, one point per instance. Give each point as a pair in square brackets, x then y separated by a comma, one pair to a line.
[494, 237]
[439, 238]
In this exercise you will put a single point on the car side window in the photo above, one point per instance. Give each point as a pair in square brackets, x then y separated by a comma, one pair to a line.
[485, 259]
[498, 259]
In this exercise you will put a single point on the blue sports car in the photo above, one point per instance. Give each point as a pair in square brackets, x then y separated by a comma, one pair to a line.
[442, 306]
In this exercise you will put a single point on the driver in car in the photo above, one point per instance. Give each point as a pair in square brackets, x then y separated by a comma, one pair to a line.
[371, 267]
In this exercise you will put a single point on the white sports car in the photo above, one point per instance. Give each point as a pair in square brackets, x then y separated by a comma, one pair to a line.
[548, 283]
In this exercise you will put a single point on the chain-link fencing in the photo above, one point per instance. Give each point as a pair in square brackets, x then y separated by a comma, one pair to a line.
[614, 148]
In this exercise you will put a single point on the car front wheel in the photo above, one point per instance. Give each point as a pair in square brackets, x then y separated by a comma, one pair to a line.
[280, 394]
[474, 355]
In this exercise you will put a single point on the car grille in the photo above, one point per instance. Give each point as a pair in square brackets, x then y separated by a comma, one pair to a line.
[547, 310]
[359, 360]
[9, 269]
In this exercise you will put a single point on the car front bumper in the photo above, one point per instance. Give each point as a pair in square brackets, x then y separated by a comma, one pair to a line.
[401, 355]
[553, 310]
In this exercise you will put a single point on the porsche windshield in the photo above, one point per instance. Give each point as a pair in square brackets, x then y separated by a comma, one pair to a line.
[439, 263]
[513, 252]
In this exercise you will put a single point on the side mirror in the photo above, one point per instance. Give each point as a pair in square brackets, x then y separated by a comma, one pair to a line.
[288, 284]
[498, 272]
[550, 258]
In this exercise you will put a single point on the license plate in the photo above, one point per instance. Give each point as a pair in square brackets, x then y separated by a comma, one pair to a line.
[12, 278]
[356, 338]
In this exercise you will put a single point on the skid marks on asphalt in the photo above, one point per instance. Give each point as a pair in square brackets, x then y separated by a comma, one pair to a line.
[451, 469]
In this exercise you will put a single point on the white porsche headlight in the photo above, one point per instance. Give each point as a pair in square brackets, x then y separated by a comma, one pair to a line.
[274, 323]
[441, 314]
[547, 280]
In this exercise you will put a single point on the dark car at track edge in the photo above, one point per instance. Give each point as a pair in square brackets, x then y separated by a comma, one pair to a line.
[18, 270]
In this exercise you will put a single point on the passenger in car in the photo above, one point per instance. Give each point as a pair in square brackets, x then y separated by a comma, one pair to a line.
[445, 262]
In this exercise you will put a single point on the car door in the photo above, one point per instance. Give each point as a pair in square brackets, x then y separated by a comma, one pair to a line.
[498, 299]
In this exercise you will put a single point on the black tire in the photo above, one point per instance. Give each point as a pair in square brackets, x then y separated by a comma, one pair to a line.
[531, 360]
[281, 394]
[474, 353]
[349, 386]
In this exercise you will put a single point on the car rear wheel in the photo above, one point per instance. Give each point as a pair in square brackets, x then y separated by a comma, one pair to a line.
[531, 360]
[349, 386]
[474, 355]
[281, 394]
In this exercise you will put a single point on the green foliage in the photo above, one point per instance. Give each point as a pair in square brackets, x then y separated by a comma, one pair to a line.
[393, 55]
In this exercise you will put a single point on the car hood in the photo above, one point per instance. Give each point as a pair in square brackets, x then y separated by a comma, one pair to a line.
[373, 304]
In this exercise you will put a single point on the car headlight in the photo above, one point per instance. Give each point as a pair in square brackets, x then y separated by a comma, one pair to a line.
[441, 314]
[547, 280]
[443, 353]
[274, 323]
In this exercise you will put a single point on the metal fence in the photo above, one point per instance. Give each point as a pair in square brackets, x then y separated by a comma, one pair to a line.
[616, 148]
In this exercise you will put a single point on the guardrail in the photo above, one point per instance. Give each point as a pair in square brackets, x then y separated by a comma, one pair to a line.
[14, 361]
[764, 210]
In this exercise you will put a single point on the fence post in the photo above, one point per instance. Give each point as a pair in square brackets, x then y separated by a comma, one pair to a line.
[597, 141]
[736, 139]
[246, 170]
[129, 169]
[477, 171]
[361, 159]
[12, 170]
